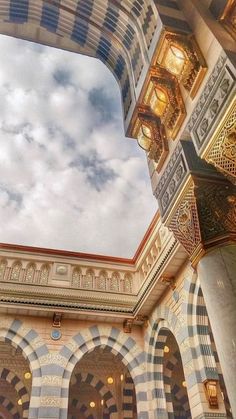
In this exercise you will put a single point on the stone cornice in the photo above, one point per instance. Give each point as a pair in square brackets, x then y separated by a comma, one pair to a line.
[22, 283]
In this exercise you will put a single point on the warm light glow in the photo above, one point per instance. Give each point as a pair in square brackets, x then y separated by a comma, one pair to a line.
[102, 402]
[92, 404]
[211, 389]
[19, 402]
[158, 101]
[122, 377]
[184, 384]
[174, 60]
[166, 349]
[27, 375]
[145, 138]
[110, 380]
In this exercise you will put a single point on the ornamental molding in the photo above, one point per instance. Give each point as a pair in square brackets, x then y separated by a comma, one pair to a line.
[64, 293]
[183, 162]
[65, 305]
[63, 297]
[204, 215]
[214, 100]
[171, 179]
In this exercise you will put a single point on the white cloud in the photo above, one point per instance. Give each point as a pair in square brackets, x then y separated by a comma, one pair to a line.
[68, 177]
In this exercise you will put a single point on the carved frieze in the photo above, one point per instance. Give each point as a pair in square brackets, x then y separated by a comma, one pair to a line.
[201, 210]
[183, 161]
[215, 99]
[171, 179]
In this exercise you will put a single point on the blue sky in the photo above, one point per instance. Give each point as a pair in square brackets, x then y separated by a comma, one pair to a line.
[69, 179]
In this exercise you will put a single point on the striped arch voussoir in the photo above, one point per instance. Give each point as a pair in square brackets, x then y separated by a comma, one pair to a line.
[118, 342]
[27, 340]
[82, 408]
[103, 390]
[19, 386]
[10, 407]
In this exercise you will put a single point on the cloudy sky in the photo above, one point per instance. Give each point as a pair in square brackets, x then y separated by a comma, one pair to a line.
[69, 179]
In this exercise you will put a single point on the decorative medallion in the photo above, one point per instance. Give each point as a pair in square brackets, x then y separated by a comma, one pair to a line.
[55, 334]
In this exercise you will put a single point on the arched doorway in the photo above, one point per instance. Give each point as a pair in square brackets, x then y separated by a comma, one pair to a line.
[15, 382]
[101, 387]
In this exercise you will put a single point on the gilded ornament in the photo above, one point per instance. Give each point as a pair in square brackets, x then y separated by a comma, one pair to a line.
[165, 100]
[151, 135]
[221, 151]
[180, 55]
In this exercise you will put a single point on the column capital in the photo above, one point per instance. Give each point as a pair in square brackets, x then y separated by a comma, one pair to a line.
[196, 202]
[204, 216]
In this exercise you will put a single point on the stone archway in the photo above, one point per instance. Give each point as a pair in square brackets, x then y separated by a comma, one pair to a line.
[118, 345]
[118, 34]
[123, 35]
[30, 349]
[90, 379]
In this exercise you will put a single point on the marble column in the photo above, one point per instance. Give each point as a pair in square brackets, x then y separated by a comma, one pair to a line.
[217, 274]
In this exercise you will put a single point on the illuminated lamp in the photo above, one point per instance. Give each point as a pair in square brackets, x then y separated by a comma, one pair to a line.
[211, 393]
[27, 375]
[159, 102]
[19, 402]
[184, 384]
[110, 380]
[150, 134]
[175, 60]
[122, 377]
[92, 404]
[166, 349]
[180, 55]
[145, 137]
